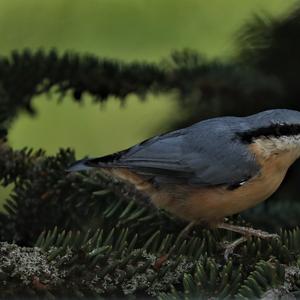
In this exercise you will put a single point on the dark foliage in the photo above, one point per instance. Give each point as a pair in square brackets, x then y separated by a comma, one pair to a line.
[199, 83]
[271, 46]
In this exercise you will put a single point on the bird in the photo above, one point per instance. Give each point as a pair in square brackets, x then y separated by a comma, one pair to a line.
[212, 169]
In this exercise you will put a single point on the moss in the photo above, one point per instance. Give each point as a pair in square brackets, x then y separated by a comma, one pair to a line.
[27, 267]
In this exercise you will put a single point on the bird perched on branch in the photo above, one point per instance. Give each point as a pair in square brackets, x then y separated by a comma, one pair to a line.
[212, 169]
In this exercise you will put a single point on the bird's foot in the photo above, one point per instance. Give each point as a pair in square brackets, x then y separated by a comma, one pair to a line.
[260, 233]
[229, 248]
[246, 232]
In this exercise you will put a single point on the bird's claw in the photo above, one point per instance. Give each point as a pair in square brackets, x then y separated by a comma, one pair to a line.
[261, 234]
[229, 248]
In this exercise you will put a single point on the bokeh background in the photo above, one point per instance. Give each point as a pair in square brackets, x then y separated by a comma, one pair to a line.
[128, 30]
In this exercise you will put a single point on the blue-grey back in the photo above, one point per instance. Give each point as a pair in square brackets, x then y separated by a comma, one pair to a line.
[207, 153]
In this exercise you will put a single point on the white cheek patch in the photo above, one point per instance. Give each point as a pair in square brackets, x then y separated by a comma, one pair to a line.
[276, 145]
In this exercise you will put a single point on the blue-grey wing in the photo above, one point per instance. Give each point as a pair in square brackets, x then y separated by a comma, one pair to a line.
[207, 153]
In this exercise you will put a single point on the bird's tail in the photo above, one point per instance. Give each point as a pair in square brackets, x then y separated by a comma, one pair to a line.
[80, 165]
[107, 161]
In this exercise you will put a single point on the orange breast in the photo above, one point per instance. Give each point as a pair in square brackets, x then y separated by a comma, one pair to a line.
[213, 203]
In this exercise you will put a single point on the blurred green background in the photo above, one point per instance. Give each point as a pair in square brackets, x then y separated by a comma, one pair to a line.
[124, 29]
[129, 30]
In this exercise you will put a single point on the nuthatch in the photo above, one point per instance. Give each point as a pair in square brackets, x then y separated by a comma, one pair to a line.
[212, 169]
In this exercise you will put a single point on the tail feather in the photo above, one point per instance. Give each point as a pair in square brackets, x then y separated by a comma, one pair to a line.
[80, 165]
[98, 162]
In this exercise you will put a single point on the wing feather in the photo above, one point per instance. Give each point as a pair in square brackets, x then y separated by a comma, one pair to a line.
[207, 153]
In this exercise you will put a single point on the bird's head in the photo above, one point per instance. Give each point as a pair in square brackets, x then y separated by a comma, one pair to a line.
[275, 131]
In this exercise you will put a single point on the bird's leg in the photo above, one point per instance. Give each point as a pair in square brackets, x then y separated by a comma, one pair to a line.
[231, 246]
[246, 232]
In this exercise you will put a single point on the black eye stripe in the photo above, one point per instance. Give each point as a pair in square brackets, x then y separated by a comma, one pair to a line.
[275, 130]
